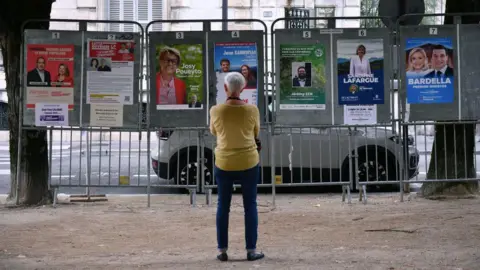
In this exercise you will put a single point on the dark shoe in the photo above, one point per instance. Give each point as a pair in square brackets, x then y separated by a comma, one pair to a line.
[222, 257]
[253, 256]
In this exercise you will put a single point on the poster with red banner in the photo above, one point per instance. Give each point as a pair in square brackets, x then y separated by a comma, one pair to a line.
[110, 71]
[50, 74]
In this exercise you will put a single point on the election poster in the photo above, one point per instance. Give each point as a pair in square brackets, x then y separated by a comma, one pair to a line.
[239, 57]
[429, 70]
[110, 71]
[302, 77]
[360, 71]
[51, 114]
[50, 74]
[179, 76]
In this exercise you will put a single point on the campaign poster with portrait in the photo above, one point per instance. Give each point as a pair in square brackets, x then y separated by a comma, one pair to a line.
[179, 76]
[429, 70]
[360, 71]
[110, 71]
[50, 74]
[237, 57]
[302, 77]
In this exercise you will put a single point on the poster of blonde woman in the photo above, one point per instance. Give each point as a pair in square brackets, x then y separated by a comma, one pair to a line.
[429, 70]
[360, 71]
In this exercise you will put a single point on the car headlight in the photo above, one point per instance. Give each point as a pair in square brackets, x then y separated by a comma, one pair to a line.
[398, 139]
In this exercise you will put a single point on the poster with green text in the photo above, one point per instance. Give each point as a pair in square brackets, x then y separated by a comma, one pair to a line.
[302, 77]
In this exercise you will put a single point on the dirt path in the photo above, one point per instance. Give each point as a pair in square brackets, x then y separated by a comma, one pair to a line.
[303, 232]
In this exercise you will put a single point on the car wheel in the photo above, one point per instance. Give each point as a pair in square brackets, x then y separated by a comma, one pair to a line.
[375, 169]
[187, 174]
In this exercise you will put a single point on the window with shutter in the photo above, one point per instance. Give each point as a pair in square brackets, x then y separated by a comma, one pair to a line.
[142, 11]
[157, 11]
[114, 14]
[128, 15]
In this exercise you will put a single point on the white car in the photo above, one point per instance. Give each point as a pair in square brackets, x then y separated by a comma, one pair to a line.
[301, 155]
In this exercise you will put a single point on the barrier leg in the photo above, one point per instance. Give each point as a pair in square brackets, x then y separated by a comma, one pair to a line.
[364, 191]
[193, 196]
[208, 196]
[55, 196]
[349, 195]
[343, 193]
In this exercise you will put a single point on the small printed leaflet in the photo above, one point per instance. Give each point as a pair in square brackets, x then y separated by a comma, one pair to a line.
[102, 115]
[51, 114]
[359, 114]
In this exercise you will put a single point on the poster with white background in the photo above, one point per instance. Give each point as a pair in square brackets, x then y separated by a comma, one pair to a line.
[359, 114]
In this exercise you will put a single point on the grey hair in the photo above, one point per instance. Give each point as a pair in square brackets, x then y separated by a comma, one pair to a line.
[235, 82]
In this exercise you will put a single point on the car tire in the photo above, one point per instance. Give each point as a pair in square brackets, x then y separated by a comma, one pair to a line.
[188, 166]
[377, 163]
[371, 163]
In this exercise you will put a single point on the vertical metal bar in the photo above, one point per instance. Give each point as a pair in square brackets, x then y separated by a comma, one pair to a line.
[301, 154]
[100, 173]
[330, 153]
[88, 168]
[425, 149]
[129, 154]
[70, 160]
[435, 156]
[147, 111]
[50, 160]
[445, 149]
[110, 159]
[455, 148]
[465, 153]
[310, 155]
[119, 168]
[457, 20]
[201, 165]
[272, 163]
[224, 15]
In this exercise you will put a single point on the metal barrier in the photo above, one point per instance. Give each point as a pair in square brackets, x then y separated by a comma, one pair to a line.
[329, 120]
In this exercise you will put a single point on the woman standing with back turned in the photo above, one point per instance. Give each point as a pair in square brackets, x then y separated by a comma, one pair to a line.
[236, 125]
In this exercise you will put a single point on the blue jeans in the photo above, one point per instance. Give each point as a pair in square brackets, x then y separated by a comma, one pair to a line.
[248, 180]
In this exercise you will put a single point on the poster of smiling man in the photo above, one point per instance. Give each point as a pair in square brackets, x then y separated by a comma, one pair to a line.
[429, 70]
[360, 71]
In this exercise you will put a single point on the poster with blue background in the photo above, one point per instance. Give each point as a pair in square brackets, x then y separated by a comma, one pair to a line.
[239, 57]
[429, 70]
[360, 71]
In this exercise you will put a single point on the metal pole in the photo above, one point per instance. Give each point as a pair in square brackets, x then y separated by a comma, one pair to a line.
[224, 15]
